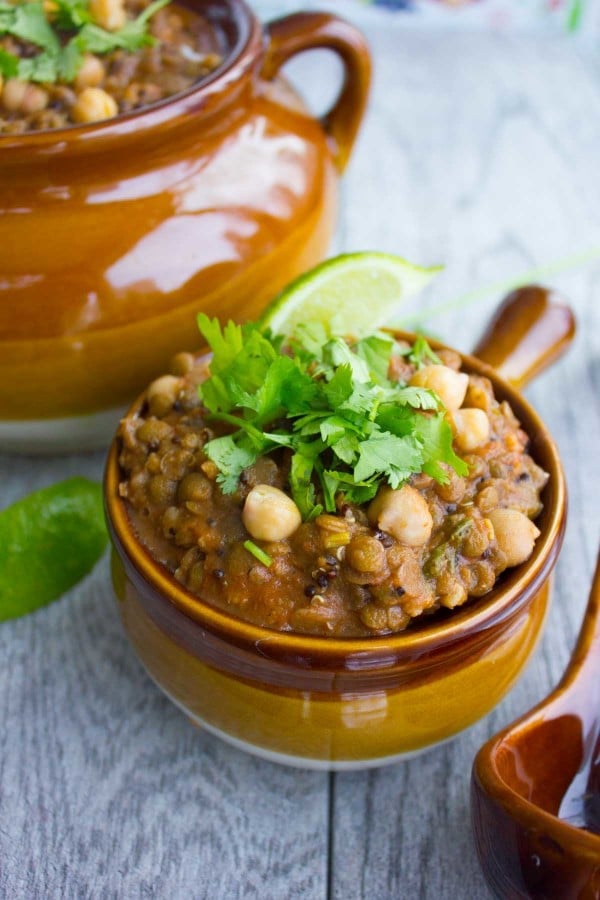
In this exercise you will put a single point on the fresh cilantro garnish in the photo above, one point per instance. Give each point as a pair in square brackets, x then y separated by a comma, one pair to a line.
[420, 352]
[348, 428]
[60, 59]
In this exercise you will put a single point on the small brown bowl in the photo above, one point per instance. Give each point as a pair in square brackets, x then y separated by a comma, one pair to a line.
[350, 703]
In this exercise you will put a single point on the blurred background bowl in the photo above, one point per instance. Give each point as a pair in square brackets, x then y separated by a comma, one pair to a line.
[114, 235]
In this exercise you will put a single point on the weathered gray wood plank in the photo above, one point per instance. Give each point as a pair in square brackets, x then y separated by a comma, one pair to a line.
[108, 791]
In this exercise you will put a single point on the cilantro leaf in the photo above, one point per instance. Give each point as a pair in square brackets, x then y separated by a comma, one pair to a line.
[69, 61]
[231, 459]
[337, 353]
[226, 343]
[9, 64]
[69, 15]
[346, 448]
[42, 68]
[435, 435]
[28, 22]
[340, 388]
[301, 484]
[396, 457]
[311, 338]
[418, 398]
[132, 36]
[421, 351]
[376, 351]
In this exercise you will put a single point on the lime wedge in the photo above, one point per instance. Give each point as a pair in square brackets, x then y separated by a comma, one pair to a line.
[48, 541]
[355, 293]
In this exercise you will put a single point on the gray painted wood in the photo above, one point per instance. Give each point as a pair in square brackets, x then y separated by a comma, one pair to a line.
[480, 152]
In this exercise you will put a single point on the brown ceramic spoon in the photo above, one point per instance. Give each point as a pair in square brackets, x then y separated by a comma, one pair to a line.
[536, 773]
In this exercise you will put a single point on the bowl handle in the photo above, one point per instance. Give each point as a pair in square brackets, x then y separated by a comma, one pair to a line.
[531, 329]
[306, 31]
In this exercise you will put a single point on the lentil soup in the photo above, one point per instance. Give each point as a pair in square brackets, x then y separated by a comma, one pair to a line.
[348, 567]
[116, 62]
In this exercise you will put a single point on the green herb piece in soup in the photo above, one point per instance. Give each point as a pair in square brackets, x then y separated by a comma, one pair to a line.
[349, 429]
[258, 554]
[60, 59]
[49, 541]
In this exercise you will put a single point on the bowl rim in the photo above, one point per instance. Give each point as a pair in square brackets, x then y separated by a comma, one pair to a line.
[489, 784]
[234, 65]
[502, 604]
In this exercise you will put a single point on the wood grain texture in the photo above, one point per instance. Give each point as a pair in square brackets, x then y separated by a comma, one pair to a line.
[480, 152]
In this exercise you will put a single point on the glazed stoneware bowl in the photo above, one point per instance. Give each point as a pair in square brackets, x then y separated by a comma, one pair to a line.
[114, 235]
[349, 703]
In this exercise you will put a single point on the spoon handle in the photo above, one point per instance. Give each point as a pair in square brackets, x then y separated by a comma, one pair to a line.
[531, 329]
[581, 683]
[582, 675]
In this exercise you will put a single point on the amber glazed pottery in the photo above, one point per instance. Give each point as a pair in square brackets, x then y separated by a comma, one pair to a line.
[535, 790]
[349, 703]
[114, 235]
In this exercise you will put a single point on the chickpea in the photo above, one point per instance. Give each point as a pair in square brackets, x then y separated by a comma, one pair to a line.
[404, 514]
[35, 100]
[471, 428]
[162, 394]
[515, 534]
[13, 93]
[93, 105]
[450, 386]
[91, 72]
[109, 14]
[269, 514]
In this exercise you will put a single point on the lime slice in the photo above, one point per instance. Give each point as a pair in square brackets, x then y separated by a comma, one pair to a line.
[48, 541]
[355, 293]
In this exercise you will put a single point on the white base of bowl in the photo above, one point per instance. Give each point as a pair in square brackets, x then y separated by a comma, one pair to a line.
[73, 434]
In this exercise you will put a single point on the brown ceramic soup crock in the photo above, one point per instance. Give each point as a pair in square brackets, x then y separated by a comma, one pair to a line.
[114, 235]
[339, 703]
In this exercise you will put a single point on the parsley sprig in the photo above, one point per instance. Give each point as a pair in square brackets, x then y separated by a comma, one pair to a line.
[64, 42]
[349, 429]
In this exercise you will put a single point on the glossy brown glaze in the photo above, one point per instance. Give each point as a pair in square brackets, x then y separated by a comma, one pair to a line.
[529, 331]
[521, 776]
[326, 695]
[114, 235]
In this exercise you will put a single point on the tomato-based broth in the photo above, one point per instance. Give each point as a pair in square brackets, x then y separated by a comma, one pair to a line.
[116, 61]
[384, 549]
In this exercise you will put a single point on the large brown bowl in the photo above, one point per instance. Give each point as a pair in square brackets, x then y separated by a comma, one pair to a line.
[114, 235]
[346, 703]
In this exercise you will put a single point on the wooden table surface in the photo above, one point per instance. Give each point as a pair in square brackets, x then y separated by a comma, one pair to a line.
[481, 152]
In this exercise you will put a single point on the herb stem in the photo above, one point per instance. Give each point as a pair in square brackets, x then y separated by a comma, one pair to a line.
[259, 554]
